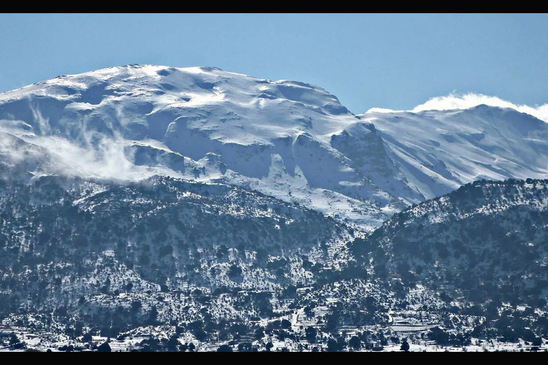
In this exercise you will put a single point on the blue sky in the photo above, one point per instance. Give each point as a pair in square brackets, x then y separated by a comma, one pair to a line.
[368, 60]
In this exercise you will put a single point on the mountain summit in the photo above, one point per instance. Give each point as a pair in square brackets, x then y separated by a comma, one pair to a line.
[286, 139]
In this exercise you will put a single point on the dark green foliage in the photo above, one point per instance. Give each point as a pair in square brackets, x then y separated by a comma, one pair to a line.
[404, 346]
[355, 343]
[311, 334]
[105, 347]
[224, 348]
[234, 272]
[439, 335]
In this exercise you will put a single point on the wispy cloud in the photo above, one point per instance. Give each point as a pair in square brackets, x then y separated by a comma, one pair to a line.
[470, 100]
[106, 158]
[384, 110]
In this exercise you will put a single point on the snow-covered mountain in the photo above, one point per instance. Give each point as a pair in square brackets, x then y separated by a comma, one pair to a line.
[290, 140]
[482, 249]
[174, 206]
[286, 139]
[486, 241]
[440, 150]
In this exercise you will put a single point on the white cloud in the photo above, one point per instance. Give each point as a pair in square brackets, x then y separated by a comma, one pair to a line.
[470, 100]
[106, 158]
[384, 110]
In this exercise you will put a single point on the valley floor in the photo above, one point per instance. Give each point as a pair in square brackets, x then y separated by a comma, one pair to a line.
[46, 342]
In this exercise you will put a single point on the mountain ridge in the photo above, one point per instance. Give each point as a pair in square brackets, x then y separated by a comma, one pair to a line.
[288, 139]
[231, 127]
[154, 208]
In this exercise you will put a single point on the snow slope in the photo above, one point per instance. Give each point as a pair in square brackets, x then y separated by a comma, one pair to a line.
[440, 150]
[286, 139]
